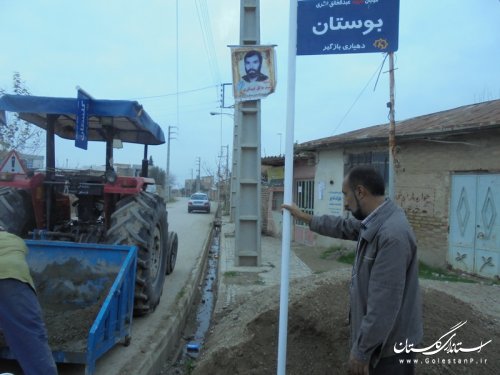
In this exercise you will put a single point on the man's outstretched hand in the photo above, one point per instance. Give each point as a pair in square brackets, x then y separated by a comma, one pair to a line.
[297, 213]
[357, 367]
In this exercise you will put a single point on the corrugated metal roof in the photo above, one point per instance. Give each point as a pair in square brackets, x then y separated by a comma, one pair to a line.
[273, 160]
[464, 119]
[277, 161]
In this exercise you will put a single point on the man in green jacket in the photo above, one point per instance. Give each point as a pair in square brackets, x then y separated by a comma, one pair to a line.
[385, 301]
[20, 313]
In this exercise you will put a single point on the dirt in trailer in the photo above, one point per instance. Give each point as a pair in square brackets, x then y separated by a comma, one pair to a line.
[71, 295]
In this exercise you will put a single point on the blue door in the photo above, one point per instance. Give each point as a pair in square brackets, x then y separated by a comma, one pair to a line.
[474, 244]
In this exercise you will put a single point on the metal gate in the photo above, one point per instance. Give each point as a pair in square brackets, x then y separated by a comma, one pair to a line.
[474, 244]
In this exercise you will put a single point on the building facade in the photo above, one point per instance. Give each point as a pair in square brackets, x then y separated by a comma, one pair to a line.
[447, 179]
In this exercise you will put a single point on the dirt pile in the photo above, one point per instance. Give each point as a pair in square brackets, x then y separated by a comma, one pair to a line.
[245, 340]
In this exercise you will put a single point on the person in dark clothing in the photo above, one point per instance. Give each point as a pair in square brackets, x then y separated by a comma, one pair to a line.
[20, 313]
[385, 301]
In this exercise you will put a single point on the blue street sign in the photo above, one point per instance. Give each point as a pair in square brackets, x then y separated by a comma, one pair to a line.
[347, 26]
[82, 120]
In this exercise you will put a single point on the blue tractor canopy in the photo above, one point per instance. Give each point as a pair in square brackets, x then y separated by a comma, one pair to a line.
[120, 119]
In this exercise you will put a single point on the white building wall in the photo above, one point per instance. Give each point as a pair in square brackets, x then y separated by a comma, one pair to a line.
[328, 198]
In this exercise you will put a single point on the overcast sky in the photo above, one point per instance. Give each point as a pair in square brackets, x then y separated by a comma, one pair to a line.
[449, 56]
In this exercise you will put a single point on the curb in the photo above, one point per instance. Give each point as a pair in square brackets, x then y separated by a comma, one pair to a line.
[163, 345]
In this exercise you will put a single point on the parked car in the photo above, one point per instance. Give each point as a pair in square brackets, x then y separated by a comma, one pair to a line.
[151, 189]
[199, 202]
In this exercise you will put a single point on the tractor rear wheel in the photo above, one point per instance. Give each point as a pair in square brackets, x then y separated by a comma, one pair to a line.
[141, 220]
[16, 213]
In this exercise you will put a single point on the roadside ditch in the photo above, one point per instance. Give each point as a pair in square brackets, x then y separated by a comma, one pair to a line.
[199, 319]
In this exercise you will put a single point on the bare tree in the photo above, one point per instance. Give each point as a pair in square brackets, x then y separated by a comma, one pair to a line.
[18, 134]
[158, 174]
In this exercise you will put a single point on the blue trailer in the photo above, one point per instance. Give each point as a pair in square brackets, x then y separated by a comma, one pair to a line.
[76, 281]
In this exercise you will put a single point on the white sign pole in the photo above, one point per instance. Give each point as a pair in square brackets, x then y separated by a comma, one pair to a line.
[287, 227]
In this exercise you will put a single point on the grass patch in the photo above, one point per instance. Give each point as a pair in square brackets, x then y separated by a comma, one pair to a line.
[318, 272]
[331, 250]
[434, 273]
[231, 273]
[180, 294]
[337, 252]
[347, 258]
[189, 366]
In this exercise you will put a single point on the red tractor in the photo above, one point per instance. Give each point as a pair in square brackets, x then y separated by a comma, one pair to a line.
[90, 206]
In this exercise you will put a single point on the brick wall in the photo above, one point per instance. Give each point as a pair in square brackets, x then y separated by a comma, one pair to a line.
[423, 184]
[265, 204]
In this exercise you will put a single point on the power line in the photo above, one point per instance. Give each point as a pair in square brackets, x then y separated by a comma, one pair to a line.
[211, 43]
[175, 93]
[208, 39]
[359, 96]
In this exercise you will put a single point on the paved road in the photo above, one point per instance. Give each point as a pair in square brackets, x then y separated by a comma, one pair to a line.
[153, 335]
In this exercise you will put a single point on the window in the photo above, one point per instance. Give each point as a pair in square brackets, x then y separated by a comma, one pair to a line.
[379, 160]
[304, 197]
[200, 196]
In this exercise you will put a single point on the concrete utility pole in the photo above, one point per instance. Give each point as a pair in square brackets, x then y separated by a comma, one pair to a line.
[222, 176]
[248, 202]
[167, 177]
[232, 198]
[234, 183]
[219, 178]
[234, 170]
[198, 181]
[226, 181]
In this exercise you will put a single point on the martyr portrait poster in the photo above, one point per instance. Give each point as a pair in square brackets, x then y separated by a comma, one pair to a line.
[254, 72]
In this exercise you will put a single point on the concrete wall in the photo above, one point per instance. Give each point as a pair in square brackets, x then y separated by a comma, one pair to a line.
[273, 217]
[328, 198]
[265, 202]
[304, 170]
